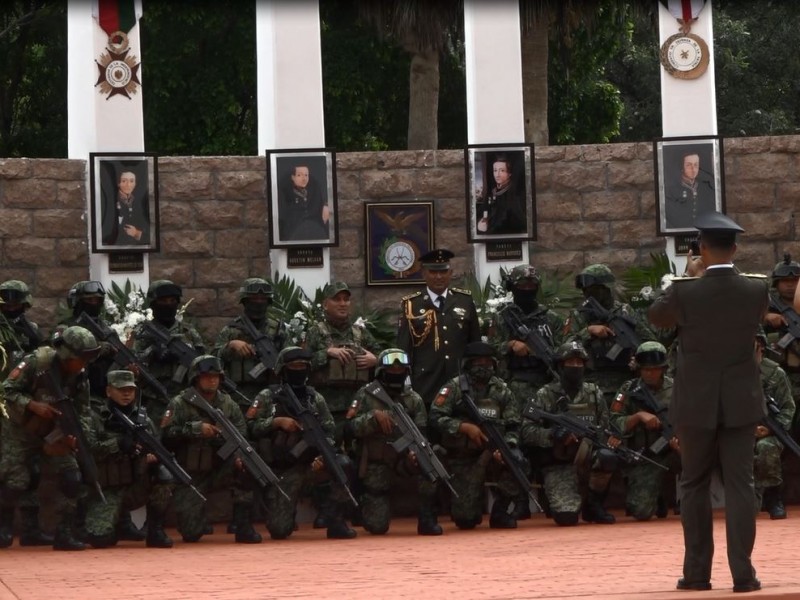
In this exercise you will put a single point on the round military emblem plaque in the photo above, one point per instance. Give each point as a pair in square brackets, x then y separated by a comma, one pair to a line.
[685, 56]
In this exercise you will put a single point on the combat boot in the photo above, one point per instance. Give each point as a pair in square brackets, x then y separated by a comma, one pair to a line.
[243, 519]
[320, 498]
[127, 530]
[32, 534]
[593, 510]
[6, 527]
[338, 529]
[65, 538]
[427, 523]
[662, 510]
[522, 508]
[500, 518]
[156, 536]
[774, 503]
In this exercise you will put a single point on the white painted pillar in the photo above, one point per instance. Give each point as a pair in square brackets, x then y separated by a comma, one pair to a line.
[688, 106]
[97, 123]
[493, 59]
[290, 113]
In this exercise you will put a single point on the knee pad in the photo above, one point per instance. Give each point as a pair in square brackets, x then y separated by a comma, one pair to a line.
[565, 518]
[70, 483]
[162, 475]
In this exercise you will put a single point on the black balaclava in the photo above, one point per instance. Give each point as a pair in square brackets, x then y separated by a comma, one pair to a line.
[526, 299]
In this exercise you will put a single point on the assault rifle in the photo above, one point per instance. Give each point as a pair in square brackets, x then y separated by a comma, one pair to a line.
[645, 397]
[124, 356]
[771, 422]
[535, 340]
[68, 424]
[236, 444]
[496, 440]
[581, 428]
[624, 327]
[266, 352]
[792, 322]
[152, 445]
[185, 354]
[411, 438]
[313, 436]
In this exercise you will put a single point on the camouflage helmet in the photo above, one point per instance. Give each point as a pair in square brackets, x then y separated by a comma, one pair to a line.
[291, 354]
[651, 354]
[520, 273]
[597, 274]
[785, 269]
[205, 363]
[392, 357]
[15, 291]
[163, 288]
[572, 349]
[253, 286]
[84, 289]
[76, 342]
[478, 350]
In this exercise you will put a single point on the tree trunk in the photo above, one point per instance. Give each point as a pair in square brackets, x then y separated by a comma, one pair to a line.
[423, 101]
[534, 83]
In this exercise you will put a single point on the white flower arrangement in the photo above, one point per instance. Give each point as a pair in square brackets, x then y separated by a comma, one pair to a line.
[666, 281]
[297, 327]
[125, 312]
[360, 322]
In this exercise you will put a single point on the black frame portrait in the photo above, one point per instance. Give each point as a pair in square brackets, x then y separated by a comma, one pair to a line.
[490, 215]
[297, 214]
[679, 200]
[398, 234]
[117, 225]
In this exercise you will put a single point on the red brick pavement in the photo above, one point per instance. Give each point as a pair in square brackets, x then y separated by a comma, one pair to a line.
[539, 560]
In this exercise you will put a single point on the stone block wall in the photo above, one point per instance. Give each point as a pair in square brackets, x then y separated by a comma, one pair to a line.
[595, 203]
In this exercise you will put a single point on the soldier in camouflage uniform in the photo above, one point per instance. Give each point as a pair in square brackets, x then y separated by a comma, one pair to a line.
[30, 390]
[234, 346]
[469, 461]
[785, 276]
[596, 335]
[195, 440]
[278, 437]
[767, 469]
[19, 336]
[128, 477]
[526, 371]
[372, 425]
[562, 457]
[642, 428]
[164, 299]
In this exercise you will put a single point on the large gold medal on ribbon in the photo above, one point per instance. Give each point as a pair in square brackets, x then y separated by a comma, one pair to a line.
[685, 56]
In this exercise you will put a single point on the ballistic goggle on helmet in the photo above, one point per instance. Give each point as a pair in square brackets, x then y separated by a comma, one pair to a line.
[291, 354]
[255, 286]
[206, 363]
[598, 274]
[84, 289]
[15, 291]
[785, 269]
[572, 349]
[163, 288]
[392, 357]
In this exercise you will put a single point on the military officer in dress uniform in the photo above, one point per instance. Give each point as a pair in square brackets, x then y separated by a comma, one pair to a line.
[436, 325]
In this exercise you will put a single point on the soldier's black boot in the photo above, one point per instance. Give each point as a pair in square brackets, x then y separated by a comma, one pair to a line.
[337, 527]
[773, 502]
[522, 508]
[427, 524]
[32, 534]
[156, 536]
[500, 517]
[6, 526]
[127, 530]
[661, 507]
[320, 497]
[65, 536]
[593, 510]
[243, 519]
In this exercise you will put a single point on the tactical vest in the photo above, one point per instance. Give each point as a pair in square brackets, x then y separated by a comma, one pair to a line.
[573, 453]
[491, 408]
[238, 367]
[278, 449]
[340, 375]
[43, 391]
[198, 455]
[642, 438]
[530, 368]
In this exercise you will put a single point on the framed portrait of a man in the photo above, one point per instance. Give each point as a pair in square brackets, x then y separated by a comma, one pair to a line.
[501, 195]
[124, 207]
[690, 181]
[301, 198]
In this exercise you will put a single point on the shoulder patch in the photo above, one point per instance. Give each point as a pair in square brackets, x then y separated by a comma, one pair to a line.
[18, 370]
[253, 410]
[441, 397]
[618, 403]
[166, 419]
[410, 296]
[460, 291]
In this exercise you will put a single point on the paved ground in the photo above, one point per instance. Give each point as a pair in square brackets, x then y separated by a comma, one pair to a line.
[539, 560]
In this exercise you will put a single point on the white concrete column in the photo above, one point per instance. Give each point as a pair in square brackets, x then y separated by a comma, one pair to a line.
[492, 49]
[290, 113]
[688, 106]
[97, 123]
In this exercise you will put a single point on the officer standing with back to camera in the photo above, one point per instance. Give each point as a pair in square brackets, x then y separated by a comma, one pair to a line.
[436, 325]
[718, 399]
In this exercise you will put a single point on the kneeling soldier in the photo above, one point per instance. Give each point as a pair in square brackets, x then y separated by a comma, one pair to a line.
[129, 476]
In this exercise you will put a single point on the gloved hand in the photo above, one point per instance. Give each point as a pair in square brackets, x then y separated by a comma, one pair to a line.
[559, 433]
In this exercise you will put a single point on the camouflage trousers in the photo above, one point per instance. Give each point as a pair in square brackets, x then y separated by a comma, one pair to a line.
[645, 483]
[562, 485]
[102, 517]
[375, 502]
[294, 480]
[469, 474]
[767, 470]
[190, 508]
[21, 454]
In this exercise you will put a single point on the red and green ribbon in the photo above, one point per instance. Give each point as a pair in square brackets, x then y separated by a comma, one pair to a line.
[116, 15]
